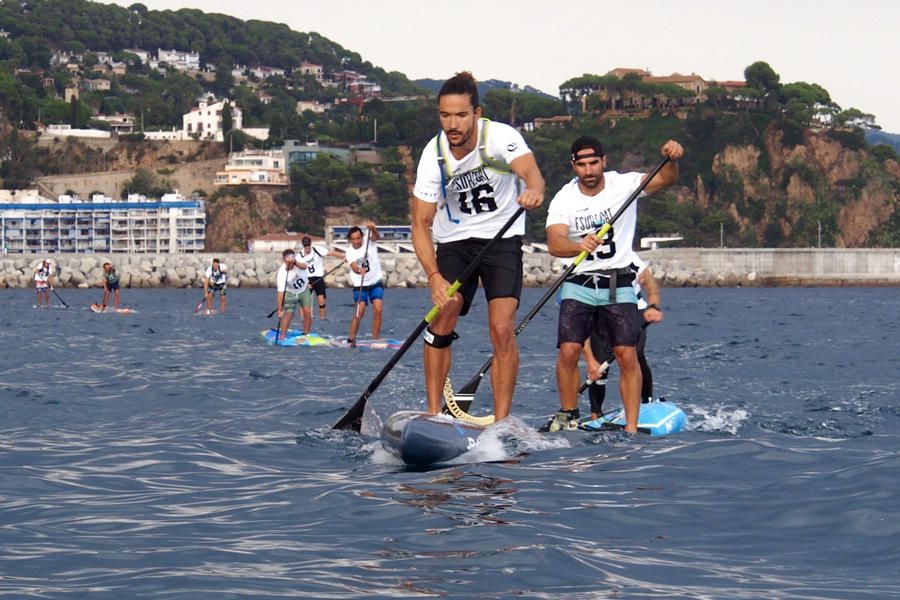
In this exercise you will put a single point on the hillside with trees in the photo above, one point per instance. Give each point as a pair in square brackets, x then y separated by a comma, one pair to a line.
[767, 163]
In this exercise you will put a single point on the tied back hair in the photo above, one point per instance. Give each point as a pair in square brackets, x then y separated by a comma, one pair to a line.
[461, 83]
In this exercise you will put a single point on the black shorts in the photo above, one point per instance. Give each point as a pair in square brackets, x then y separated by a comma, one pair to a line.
[317, 285]
[611, 325]
[500, 272]
[112, 286]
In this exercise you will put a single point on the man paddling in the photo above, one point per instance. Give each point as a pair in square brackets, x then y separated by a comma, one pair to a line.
[110, 285]
[215, 280]
[292, 285]
[599, 294]
[43, 280]
[313, 257]
[366, 278]
[465, 192]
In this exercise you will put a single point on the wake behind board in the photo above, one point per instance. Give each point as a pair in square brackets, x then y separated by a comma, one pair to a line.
[295, 338]
[655, 418]
[370, 344]
[421, 439]
[99, 308]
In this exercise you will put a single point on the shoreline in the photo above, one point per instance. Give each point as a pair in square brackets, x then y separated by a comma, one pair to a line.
[673, 267]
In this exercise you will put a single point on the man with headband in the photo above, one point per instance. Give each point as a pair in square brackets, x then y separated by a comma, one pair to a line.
[598, 296]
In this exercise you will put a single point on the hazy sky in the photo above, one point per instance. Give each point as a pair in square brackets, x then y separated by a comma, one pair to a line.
[852, 49]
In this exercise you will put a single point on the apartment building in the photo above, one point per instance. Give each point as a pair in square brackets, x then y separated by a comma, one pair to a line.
[30, 223]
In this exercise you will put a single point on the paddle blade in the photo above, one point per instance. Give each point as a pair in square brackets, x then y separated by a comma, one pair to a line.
[352, 420]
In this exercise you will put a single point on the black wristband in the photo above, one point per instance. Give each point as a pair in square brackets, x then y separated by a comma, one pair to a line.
[654, 305]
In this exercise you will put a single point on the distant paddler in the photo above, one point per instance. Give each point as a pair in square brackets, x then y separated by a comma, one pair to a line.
[110, 285]
[366, 279]
[215, 280]
[292, 283]
[43, 281]
[314, 257]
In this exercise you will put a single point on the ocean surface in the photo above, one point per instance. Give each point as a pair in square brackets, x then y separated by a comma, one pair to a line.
[168, 455]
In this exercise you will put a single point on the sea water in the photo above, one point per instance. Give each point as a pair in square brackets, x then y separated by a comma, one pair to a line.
[168, 455]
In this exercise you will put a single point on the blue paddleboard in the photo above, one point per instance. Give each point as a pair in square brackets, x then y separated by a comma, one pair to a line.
[655, 418]
[295, 338]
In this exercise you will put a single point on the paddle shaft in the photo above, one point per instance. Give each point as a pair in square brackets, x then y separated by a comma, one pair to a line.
[353, 419]
[199, 306]
[468, 390]
[362, 276]
[58, 298]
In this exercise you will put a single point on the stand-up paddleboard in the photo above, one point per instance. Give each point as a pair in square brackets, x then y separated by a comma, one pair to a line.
[99, 308]
[655, 418]
[50, 306]
[421, 439]
[295, 338]
[208, 312]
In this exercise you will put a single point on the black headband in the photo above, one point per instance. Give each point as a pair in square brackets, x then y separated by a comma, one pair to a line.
[593, 154]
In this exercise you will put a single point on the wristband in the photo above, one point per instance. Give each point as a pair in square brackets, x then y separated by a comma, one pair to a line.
[433, 273]
[654, 305]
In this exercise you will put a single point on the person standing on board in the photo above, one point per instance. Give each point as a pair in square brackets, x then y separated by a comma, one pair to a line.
[43, 281]
[110, 285]
[365, 277]
[646, 288]
[292, 284]
[598, 295]
[315, 259]
[215, 280]
[467, 188]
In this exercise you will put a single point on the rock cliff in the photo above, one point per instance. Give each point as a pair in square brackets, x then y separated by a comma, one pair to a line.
[790, 190]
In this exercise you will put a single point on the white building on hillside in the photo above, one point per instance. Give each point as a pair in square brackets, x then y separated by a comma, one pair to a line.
[254, 167]
[141, 54]
[263, 71]
[311, 69]
[180, 60]
[205, 121]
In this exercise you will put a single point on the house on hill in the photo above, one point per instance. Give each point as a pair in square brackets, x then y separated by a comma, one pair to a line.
[180, 60]
[312, 70]
[692, 83]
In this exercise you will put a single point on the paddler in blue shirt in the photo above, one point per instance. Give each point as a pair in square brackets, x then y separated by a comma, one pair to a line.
[110, 285]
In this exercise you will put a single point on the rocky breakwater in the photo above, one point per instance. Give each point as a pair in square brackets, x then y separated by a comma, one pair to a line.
[244, 270]
[142, 270]
[674, 267]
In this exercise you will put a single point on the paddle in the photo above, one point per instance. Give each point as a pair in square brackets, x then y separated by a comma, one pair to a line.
[465, 396]
[341, 264]
[199, 306]
[362, 276]
[58, 298]
[353, 419]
